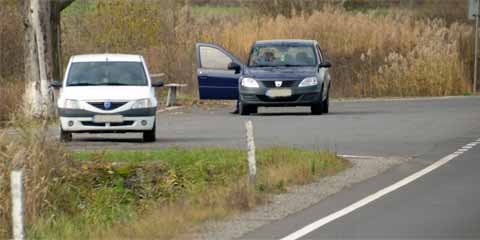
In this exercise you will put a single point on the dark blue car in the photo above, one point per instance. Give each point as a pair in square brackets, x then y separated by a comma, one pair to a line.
[277, 73]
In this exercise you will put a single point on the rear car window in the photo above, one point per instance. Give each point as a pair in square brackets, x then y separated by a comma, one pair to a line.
[107, 73]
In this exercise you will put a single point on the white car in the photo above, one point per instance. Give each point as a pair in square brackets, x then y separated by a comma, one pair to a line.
[107, 93]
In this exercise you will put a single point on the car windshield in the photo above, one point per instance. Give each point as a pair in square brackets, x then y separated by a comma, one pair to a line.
[107, 73]
[282, 55]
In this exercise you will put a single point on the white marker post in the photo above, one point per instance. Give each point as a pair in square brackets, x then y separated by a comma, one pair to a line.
[252, 169]
[17, 204]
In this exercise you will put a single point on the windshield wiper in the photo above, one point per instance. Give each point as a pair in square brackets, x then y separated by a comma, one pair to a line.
[117, 84]
[262, 65]
[292, 65]
[81, 84]
[282, 65]
[99, 84]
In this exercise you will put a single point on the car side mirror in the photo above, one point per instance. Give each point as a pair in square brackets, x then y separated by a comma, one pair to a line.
[56, 84]
[235, 66]
[325, 64]
[157, 83]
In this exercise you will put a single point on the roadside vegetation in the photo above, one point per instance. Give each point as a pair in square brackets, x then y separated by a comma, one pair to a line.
[141, 194]
[378, 48]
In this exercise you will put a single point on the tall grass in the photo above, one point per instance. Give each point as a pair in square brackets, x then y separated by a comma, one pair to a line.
[44, 165]
[393, 54]
[10, 96]
[383, 52]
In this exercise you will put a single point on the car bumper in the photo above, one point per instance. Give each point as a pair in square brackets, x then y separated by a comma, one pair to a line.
[137, 120]
[301, 96]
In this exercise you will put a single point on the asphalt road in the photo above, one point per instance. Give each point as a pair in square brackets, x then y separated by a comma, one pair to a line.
[443, 204]
[440, 204]
[398, 128]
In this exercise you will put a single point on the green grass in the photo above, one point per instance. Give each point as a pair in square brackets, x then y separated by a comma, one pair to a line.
[80, 7]
[114, 193]
[170, 155]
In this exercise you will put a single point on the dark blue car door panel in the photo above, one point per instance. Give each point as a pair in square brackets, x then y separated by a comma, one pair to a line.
[214, 86]
[221, 84]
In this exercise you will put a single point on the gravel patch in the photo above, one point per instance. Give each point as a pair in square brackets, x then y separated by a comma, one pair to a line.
[296, 199]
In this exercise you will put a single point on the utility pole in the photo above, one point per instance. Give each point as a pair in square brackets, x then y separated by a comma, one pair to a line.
[473, 11]
[475, 71]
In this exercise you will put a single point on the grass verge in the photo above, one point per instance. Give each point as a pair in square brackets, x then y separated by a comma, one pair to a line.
[162, 193]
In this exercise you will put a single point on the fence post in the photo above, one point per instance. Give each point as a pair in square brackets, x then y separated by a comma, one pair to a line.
[17, 204]
[252, 169]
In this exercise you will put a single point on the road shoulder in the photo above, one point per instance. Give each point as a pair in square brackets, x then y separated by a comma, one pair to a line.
[295, 200]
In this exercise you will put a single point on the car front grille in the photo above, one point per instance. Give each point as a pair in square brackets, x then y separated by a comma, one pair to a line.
[125, 123]
[271, 84]
[113, 106]
[94, 124]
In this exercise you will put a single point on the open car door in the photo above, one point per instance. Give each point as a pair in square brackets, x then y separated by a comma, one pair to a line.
[218, 72]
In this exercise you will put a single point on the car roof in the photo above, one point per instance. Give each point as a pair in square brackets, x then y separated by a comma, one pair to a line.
[285, 41]
[107, 57]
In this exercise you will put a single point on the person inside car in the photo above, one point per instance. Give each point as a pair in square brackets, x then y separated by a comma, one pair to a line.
[302, 58]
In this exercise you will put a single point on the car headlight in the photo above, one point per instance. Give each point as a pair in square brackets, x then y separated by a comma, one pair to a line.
[309, 81]
[250, 83]
[142, 103]
[71, 104]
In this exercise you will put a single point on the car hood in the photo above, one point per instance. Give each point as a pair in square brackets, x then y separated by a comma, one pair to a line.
[106, 92]
[296, 73]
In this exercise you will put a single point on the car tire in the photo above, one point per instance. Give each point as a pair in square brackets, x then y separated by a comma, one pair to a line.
[150, 135]
[254, 109]
[326, 103]
[317, 109]
[243, 109]
[65, 136]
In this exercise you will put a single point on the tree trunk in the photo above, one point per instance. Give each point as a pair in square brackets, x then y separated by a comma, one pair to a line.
[42, 53]
[56, 40]
[37, 58]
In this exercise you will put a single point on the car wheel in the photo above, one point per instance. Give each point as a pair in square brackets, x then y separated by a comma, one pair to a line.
[150, 135]
[254, 109]
[317, 109]
[65, 136]
[243, 109]
[326, 103]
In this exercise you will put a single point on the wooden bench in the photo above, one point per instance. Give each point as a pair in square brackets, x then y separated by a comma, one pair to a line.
[172, 93]
[172, 89]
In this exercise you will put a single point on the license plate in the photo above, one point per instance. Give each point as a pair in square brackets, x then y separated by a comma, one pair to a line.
[284, 92]
[108, 118]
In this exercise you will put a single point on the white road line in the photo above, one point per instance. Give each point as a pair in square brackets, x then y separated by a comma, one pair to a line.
[356, 156]
[323, 221]
[462, 150]
[473, 144]
[467, 147]
[400, 99]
